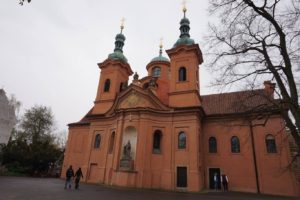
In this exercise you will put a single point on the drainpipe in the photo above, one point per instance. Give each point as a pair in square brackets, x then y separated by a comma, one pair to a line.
[254, 157]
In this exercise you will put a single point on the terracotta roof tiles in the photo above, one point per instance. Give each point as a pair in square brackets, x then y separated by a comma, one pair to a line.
[235, 102]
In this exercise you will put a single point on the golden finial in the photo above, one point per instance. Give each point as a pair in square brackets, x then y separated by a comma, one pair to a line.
[161, 42]
[184, 6]
[122, 24]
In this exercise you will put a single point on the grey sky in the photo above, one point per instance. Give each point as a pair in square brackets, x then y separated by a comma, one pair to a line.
[49, 49]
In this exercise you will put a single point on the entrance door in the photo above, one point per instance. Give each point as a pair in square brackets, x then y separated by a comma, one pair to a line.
[93, 173]
[212, 172]
[181, 177]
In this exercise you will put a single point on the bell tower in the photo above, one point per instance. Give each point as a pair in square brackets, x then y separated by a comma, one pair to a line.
[115, 72]
[185, 58]
[159, 69]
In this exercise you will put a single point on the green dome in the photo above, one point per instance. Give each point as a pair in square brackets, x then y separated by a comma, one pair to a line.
[160, 58]
[120, 37]
[118, 51]
[184, 41]
[184, 38]
[185, 21]
[118, 55]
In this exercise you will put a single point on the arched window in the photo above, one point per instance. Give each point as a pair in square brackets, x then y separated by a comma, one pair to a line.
[106, 85]
[111, 142]
[235, 145]
[271, 144]
[157, 141]
[212, 143]
[97, 141]
[182, 74]
[156, 72]
[181, 140]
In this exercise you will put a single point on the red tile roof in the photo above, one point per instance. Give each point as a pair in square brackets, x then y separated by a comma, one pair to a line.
[236, 102]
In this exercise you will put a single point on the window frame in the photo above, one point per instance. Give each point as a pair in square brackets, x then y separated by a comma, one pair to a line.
[106, 85]
[212, 149]
[156, 71]
[182, 144]
[235, 147]
[182, 74]
[156, 146]
[97, 141]
[271, 147]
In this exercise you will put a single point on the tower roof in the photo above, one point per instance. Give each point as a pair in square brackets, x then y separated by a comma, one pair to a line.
[160, 57]
[119, 43]
[184, 38]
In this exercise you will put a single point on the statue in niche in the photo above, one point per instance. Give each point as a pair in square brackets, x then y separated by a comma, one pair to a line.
[126, 162]
[127, 150]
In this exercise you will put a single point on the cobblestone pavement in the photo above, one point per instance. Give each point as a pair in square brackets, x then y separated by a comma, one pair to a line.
[20, 188]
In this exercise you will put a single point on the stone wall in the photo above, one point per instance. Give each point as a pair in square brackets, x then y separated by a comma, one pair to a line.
[296, 158]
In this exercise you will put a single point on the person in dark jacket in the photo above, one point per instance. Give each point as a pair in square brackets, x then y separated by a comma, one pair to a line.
[69, 176]
[78, 175]
[224, 180]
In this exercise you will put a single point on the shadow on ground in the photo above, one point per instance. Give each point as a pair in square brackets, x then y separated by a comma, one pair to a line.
[22, 188]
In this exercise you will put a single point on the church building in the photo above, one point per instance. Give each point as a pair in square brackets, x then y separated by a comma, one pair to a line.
[159, 131]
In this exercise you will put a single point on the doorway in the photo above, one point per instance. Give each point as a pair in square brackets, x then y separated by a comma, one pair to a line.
[212, 172]
[181, 177]
[93, 173]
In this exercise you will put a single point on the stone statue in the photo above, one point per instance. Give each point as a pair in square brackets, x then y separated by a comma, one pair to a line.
[135, 76]
[126, 162]
[127, 150]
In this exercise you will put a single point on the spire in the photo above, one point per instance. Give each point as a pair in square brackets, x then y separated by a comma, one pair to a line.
[184, 7]
[120, 38]
[119, 43]
[184, 37]
[122, 24]
[160, 47]
[184, 23]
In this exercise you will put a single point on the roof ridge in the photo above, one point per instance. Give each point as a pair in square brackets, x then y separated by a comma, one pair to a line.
[235, 92]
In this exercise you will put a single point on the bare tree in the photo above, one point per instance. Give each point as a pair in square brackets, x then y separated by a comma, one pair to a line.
[257, 40]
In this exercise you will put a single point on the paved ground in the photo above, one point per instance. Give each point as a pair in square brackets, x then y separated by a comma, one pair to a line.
[18, 188]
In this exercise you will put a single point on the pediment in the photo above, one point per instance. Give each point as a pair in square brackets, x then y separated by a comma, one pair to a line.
[137, 98]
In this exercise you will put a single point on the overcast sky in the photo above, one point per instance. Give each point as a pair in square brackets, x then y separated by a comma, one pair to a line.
[49, 49]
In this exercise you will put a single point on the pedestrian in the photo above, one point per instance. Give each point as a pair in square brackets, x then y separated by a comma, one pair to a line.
[224, 180]
[69, 176]
[78, 175]
[216, 181]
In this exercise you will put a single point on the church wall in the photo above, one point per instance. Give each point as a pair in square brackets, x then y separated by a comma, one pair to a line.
[104, 100]
[157, 170]
[76, 149]
[97, 155]
[238, 167]
[100, 160]
[274, 177]
[274, 174]
[143, 152]
[184, 99]
[163, 86]
[115, 77]
[102, 107]
[184, 93]
[189, 61]
[188, 157]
